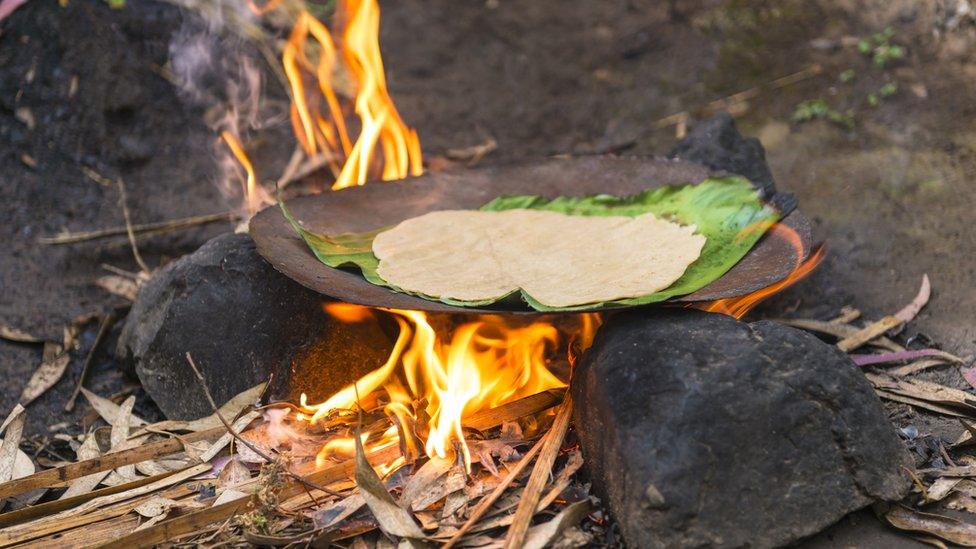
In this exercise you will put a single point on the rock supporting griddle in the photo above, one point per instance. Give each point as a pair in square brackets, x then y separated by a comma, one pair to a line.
[701, 430]
[242, 321]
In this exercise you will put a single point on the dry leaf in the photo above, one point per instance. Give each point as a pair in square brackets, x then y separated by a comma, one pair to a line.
[233, 473]
[224, 440]
[436, 491]
[108, 410]
[393, 519]
[121, 286]
[925, 391]
[88, 450]
[155, 506]
[947, 528]
[11, 442]
[542, 535]
[421, 481]
[46, 375]
[13, 334]
[338, 511]
[229, 495]
[940, 488]
[120, 435]
[229, 411]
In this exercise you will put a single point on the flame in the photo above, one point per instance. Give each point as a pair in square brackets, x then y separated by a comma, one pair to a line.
[310, 55]
[487, 362]
[254, 195]
[739, 306]
[380, 123]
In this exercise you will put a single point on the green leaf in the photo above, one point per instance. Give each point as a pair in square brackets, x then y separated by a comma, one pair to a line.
[728, 211]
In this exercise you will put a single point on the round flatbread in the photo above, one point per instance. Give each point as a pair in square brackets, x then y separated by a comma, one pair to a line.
[560, 260]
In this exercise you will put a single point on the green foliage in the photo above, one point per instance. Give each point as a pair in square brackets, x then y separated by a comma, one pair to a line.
[847, 76]
[728, 211]
[818, 109]
[115, 4]
[879, 47]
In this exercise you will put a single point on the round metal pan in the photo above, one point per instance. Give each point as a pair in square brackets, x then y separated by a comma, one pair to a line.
[382, 204]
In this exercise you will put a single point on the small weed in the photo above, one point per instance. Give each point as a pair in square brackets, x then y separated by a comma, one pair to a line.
[889, 89]
[879, 47]
[818, 109]
[847, 76]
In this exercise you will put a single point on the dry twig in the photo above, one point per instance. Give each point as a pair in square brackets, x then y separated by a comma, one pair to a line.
[156, 227]
[540, 473]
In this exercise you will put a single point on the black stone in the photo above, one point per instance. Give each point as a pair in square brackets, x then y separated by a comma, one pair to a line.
[717, 144]
[701, 430]
[242, 321]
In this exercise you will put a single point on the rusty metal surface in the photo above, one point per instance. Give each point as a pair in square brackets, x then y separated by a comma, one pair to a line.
[383, 204]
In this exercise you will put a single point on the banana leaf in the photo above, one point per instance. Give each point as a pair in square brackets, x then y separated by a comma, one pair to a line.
[727, 211]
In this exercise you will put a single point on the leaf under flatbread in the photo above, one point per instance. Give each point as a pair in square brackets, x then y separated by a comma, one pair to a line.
[727, 211]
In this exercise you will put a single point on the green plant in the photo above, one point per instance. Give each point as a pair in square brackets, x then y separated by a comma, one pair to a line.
[818, 109]
[847, 76]
[879, 47]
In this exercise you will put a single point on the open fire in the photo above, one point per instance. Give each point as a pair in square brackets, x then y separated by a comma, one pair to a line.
[435, 377]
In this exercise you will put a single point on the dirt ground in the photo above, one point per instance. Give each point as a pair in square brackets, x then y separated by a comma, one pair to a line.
[886, 182]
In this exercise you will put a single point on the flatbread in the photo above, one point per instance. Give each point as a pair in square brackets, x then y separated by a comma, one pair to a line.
[560, 260]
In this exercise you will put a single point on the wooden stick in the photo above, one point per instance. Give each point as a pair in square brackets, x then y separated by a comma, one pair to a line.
[102, 330]
[72, 471]
[155, 227]
[191, 522]
[540, 475]
[866, 334]
[489, 500]
[92, 511]
[128, 228]
[51, 507]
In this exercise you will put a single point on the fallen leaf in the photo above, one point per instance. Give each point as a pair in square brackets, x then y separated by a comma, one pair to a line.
[225, 439]
[155, 506]
[11, 442]
[13, 334]
[120, 435]
[924, 391]
[121, 286]
[393, 519]
[335, 513]
[422, 480]
[229, 411]
[869, 359]
[947, 528]
[88, 450]
[47, 375]
[542, 535]
[108, 410]
[233, 473]
[228, 495]
[941, 488]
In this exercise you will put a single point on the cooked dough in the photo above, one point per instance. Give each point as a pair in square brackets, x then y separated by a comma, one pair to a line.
[560, 260]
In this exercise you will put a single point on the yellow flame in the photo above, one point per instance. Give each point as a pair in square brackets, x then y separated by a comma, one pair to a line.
[380, 123]
[486, 363]
[254, 195]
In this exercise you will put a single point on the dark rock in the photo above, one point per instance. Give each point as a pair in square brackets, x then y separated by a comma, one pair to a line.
[717, 143]
[242, 321]
[701, 430]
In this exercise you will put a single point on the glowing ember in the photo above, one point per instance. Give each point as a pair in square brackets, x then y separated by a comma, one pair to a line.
[739, 306]
[487, 362]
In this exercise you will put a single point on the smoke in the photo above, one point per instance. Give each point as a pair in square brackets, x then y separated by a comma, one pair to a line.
[216, 70]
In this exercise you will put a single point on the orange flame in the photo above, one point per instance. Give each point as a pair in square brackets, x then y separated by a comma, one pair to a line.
[317, 115]
[739, 306]
[254, 195]
[487, 363]
[380, 123]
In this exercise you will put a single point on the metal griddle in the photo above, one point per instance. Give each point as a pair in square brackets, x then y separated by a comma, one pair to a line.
[381, 204]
